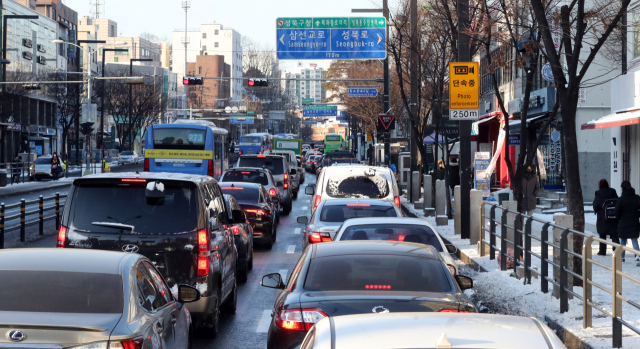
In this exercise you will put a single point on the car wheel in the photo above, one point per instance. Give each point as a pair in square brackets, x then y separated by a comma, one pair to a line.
[274, 233]
[232, 303]
[212, 324]
[286, 208]
[268, 243]
[295, 194]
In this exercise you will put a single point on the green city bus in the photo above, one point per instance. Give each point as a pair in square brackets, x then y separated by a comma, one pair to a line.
[333, 142]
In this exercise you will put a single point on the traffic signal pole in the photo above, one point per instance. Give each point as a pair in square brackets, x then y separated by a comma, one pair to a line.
[465, 125]
[386, 99]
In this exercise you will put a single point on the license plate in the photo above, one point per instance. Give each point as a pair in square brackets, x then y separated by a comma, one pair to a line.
[178, 165]
[40, 173]
[250, 152]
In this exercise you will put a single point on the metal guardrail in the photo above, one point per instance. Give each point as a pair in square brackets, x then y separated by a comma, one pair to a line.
[40, 210]
[522, 235]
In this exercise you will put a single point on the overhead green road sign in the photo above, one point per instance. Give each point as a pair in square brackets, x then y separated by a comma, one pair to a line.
[321, 107]
[308, 100]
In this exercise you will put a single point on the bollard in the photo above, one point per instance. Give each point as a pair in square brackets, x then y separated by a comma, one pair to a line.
[527, 248]
[57, 211]
[41, 220]
[544, 253]
[564, 297]
[2, 225]
[492, 230]
[81, 168]
[517, 223]
[503, 241]
[23, 236]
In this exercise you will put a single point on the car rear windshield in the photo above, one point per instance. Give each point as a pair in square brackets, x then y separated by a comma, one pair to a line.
[421, 234]
[117, 201]
[340, 213]
[40, 161]
[377, 273]
[179, 138]
[333, 138]
[126, 153]
[241, 194]
[275, 165]
[285, 155]
[358, 186]
[60, 292]
[250, 140]
[258, 177]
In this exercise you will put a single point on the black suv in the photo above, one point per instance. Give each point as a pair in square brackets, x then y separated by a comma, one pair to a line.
[178, 221]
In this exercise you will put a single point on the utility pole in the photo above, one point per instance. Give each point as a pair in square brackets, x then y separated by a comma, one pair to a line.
[386, 99]
[414, 92]
[465, 125]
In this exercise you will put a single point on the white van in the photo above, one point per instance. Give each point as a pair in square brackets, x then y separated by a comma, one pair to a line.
[290, 157]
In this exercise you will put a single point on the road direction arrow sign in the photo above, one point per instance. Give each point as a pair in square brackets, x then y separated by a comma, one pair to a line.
[363, 92]
[386, 123]
[331, 38]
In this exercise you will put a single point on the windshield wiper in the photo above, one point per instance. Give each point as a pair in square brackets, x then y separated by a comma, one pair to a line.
[120, 226]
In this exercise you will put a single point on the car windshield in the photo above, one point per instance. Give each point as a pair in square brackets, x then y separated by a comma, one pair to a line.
[126, 153]
[421, 234]
[358, 186]
[340, 213]
[40, 161]
[275, 165]
[240, 193]
[64, 292]
[126, 203]
[250, 140]
[377, 273]
[179, 138]
[246, 177]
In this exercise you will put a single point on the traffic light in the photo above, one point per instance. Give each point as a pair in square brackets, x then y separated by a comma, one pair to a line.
[257, 82]
[31, 86]
[192, 81]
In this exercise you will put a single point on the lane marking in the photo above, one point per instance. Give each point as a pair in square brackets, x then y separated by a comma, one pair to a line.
[291, 249]
[283, 273]
[265, 321]
[296, 231]
[304, 207]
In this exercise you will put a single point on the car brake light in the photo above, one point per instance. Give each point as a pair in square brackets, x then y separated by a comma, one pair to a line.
[316, 238]
[454, 311]
[256, 212]
[134, 180]
[235, 230]
[232, 188]
[245, 172]
[203, 253]
[316, 201]
[358, 205]
[62, 236]
[135, 343]
[239, 152]
[378, 287]
[315, 163]
[259, 152]
[299, 319]
[272, 192]
[286, 177]
[452, 269]
[286, 185]
[396, 200]
[146, 165]
[210, 168]
[261, 156]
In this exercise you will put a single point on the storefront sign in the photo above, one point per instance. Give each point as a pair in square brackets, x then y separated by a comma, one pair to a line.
[42, 130]
[51, 131]
[582, 96]
[514, 139]
[555, 136]
[547, 73]
[14, 127]
[482, 179]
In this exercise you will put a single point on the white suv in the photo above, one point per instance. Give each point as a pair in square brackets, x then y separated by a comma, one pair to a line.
[354, 181]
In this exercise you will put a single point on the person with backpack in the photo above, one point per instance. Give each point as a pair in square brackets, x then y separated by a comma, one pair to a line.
[606, 224]
[627, 214]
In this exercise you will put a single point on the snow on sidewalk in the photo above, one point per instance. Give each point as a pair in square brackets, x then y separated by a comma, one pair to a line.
[498, 291]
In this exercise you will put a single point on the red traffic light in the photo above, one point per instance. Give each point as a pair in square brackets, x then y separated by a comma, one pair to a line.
[185, 81]
[192, 80]
[257, 82]
[251, 82]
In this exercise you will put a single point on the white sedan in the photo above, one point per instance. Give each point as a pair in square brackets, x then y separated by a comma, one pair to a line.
[128, 157]
[430, 330]
[398, 229]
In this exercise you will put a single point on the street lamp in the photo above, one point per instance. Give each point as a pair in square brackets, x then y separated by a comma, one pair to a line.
[131, 88]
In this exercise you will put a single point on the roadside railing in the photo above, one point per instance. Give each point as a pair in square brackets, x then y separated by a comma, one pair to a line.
[521, 226]
[17, 171]
[38, 211]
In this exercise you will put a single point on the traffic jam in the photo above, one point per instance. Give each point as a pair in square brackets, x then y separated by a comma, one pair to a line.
[288, 248]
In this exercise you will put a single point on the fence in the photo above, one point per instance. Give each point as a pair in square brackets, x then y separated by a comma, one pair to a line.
[522, 244]
[16, 171]
[40, 210]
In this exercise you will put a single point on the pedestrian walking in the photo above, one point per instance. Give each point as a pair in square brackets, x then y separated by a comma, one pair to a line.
[370, 155]
[16, 170]
[530, 189]
[454, 173]
[440, 172]
[605, 195]
[627, 208]
[55, 166]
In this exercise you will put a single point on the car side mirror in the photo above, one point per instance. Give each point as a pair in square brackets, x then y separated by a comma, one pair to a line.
[239, 216]
[293, 171]
[221, 218]
[451, 248]
[303, 220]
[272, 281]
[464, 282]
[309, 189]
[188, 294]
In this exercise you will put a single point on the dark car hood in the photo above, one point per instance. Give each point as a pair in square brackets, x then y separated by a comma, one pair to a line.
[335, 303]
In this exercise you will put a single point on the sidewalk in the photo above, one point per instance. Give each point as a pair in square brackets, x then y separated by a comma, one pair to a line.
[30, 187]
[499, 291]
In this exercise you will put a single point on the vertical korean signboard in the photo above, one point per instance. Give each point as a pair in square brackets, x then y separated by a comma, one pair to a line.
[464, 91]
[482, 178]
[71, 50]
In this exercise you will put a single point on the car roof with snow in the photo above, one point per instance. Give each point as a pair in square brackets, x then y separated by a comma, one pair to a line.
[149, 175]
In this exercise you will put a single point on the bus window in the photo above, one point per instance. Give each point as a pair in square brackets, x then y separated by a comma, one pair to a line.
[179, 138]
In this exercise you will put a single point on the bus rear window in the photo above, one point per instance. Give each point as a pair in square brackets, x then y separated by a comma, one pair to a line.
[249, 139]
[333, 138]
[179, 138]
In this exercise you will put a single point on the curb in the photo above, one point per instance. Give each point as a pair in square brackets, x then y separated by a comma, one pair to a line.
[27, 191]
[569, 339]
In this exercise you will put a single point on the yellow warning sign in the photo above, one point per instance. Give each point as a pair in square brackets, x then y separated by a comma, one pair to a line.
[464, 85]
[178, 154]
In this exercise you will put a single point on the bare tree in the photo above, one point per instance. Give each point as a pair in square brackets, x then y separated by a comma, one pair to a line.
[65, 96]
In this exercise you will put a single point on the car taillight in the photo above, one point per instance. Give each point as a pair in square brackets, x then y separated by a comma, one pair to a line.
[252, 212]
[396, 200]
[454, 311]
[204, 253]
[316, 238]
[377, 287]
[135, 343]
[62, 236]
[358, 205]
[286, 185]
[146, 165]
[261, 156]
[239, 152]
[286, 177]
[316, 201]
[235, 230]
[315, 163]
[210, 168]
[299, 319]
[452, 269]
[272, 192]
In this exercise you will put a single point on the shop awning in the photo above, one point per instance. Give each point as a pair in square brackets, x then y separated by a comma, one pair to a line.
[614, 120]
[514, 125]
